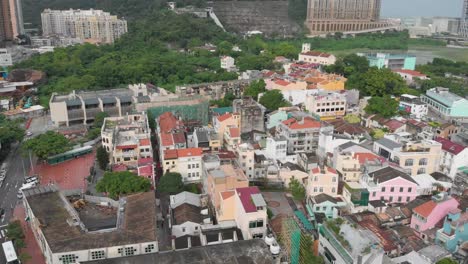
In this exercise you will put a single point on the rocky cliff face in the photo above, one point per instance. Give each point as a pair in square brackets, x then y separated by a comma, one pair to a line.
[269, 17]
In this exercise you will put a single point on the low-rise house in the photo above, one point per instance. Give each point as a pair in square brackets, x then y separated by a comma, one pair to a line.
[454, 156]
[427, 215]
[325, 204]
[227, 63]
[276, 148]
[413, 105]
[232, 138]
[446, 130]
[454, 231]
[445, 104]
[187, 162]
[356, 197]
[317, 57]
[222, 122]
[322, 180]
[251, 212]
[410, 76]
[289, 171]
[187, 214]
[170, 132]
[390, 185]
[427, 185]
[348, 130]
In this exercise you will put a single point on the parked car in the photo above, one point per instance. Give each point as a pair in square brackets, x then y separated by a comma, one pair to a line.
[29, 133]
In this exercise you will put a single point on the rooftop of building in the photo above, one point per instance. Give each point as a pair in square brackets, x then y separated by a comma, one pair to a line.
[316, 54]
[428, 207]
[251, 198]
[254, 251]
[185, 197]
[93, 95]
[323, 197]
[388, 143]
[341, 126]
[187, 213]
[450, 146]
[324, 170]
[434, 253]
[389, 173]
[410, 72]
[444, 96]
[227, 170]
[182, 153]
[304, 123]
[50, 208]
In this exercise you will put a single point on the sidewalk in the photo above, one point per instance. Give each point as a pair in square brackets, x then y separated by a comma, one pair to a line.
[32, 248]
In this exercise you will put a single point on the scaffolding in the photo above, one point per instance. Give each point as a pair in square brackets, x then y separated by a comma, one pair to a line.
[296, 243]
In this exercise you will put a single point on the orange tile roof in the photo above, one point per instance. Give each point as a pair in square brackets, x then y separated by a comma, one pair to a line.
[234, 132]
[425, 209]
[225, 195]
[282, 82]
[168, 122]
[314, 80]
[226, 116]
[145, 142]
[189, 152]
[166, 139]
[306, 122]
[170, 154]
[316, 170]
[362, 157]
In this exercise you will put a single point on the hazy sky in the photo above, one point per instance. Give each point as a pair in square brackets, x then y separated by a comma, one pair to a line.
[407, 8]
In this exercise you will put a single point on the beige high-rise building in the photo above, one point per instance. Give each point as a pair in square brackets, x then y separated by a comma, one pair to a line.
[95, 26]
[327, 16]
[11, 19]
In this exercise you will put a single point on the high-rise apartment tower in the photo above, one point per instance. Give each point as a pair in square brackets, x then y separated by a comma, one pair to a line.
[328, 16]
[464, 20]
[11, 20]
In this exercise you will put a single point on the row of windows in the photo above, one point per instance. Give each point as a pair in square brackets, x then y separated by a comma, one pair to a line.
[255, 224]
[333, 179]
[193, 174]
[410, 162]
[399, 199]
[392, 189]
[193, 166]
[330, 109]
[321, 189]
[332, 103]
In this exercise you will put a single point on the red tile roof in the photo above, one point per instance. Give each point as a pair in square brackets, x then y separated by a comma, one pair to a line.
[119, 167]
[306, 122]
[170, 154]
[145, 142]
[181, 153]
[426, 208]
[168, 122]
[417, 123]
[234, 132]
[450, 146]
[126, 147]
[316, 170]
[394, 124]
[245, 195]
[166, 139]
[282, 82]
[226, 116]
[179, 138]
[145, 161]
[145, 170]
[410, 72]
[227, 194]
[316, 54]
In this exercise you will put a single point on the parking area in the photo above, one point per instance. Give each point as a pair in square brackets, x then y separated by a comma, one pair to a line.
[278, 203]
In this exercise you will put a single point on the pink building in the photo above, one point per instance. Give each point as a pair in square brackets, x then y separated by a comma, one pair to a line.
[390, 185]
[428, 214]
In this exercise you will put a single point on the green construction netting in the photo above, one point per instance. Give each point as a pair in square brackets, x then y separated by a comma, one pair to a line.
[307, 225]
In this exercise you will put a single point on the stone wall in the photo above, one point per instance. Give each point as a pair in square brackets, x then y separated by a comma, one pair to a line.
[269, 17]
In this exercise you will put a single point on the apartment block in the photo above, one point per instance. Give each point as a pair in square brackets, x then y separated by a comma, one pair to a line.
[252, 114]
[326, 105]
[127, 139]
[415, 157]
[225, 121]
[11, 20]
[187, 162]
[454, 156]
[413, 105]
[94, 26]
[322, 180]
[390, 61]
[301, 134]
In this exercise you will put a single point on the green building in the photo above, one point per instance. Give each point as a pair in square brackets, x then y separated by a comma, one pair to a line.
[391, 61]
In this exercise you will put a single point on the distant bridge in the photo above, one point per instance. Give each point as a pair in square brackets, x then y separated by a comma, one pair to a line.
[354, 33]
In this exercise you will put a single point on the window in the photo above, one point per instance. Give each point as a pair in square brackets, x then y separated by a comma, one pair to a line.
[130, 251]
[374, 194]
[150, 248]
[183, 229]
[315, 178]
[401, 189]
[198, 165]
[399, 199]
[333, 190]
[315, 189]
[391, 199]
[421, 170]
[334, 179]
[383, 189]
[416, 227]
[423, 161]
[189, 166]
[410, 189]
[392, 189]
[69, 258]
[409, 162]
[100, 254]
[189, 174]
[324, 208]
[321, 189]
[255, 224]
[407, 199]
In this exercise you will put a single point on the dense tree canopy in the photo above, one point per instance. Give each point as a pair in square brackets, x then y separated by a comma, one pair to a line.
[15, 233]
[349, 65]
[120, 183]
[297, 190]
[48, 144]
[255, 88]
[10, 131]
[384, 106]
[171, 183]
[377, 82]
[273, 100]
[102, 157]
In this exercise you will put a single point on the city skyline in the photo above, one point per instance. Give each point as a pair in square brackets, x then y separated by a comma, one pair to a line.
[393, 8]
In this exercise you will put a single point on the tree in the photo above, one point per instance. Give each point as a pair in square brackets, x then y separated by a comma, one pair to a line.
[273, 100]
[16, 234]
[297, 190]
[48, 144]
[447, 261]
[99, 119]
[171, 183]
[384, 106]
[377, 133]
[255, 88]
[306, 250]
[116, 184]
[10, 131]
[377, 82]
[352, 119]
[102, 157]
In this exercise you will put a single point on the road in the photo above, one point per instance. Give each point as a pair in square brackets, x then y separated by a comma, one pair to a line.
[13, 181]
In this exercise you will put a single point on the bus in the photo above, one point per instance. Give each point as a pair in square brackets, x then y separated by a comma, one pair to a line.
[10, 253]
[72, 154]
